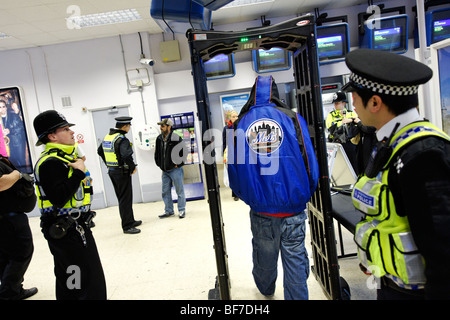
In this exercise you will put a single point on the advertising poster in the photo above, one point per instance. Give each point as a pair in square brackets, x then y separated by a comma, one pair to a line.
[14, 141]
[232, 102]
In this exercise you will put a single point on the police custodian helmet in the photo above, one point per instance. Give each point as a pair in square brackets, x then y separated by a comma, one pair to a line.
[339, 96]
[48, 121]
[385, 73]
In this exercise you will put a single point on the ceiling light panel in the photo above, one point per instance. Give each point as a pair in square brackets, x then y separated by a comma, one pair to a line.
[100, 19]
[239, 3]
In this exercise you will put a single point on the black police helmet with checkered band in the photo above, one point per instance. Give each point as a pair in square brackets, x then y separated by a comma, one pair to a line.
[385, 73]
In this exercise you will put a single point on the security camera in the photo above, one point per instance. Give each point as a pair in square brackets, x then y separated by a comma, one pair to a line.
[149, 62]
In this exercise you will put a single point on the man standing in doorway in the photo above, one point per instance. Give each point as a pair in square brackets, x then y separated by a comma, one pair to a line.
[170, 155]
[117, 154]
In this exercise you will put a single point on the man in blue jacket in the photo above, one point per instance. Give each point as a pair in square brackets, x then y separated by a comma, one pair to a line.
[273, 168]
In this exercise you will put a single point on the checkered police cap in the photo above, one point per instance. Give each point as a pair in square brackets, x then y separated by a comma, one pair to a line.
[385, 73]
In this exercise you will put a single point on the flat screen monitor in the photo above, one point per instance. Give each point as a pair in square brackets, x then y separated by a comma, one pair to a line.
[332, 42]
[220, 66]
[387, 34]
[274, 59]
[440, 25]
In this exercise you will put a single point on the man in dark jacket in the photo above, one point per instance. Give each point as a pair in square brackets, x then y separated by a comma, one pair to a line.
[170, 155]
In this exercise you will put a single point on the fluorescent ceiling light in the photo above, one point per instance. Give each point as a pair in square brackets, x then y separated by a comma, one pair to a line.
[238, 3]
[99, 19]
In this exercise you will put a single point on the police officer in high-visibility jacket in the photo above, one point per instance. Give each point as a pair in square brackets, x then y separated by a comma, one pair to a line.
[117, 153]
[341, 124]
[405, 191]
[64, 197]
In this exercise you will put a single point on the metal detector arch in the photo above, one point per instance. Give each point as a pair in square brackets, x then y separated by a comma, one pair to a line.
[297, 35]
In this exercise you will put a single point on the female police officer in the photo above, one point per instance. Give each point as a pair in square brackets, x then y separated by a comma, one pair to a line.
[64, 201]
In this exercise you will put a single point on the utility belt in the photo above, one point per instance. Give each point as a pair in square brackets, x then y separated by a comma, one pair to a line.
[119, 169]
[58, 225]
[417, 292]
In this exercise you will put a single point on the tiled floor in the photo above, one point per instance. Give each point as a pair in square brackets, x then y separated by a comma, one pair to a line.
[174, 259]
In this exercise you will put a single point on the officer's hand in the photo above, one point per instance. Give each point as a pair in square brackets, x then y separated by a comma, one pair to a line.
[346, 120]
[134, 171]
[78, 164]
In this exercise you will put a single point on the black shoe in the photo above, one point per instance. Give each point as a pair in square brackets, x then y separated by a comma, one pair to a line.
[131, 230]
[165, 215]
[236, 198]
[137, 223]
[26, 293]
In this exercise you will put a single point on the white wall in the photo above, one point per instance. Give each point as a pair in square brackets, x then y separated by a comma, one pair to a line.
[92, 73]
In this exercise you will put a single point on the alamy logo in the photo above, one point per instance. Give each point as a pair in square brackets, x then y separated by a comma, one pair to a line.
[264, 136]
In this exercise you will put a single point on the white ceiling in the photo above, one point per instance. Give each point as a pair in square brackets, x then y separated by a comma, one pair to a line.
[32, 23]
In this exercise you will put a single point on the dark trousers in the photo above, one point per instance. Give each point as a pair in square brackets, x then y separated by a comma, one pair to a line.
[350, 151]
[390, 291]
[78, 269]
[121, 181]
[16, 250]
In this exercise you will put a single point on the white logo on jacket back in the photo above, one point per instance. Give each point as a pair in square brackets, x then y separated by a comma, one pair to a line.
[264, 136]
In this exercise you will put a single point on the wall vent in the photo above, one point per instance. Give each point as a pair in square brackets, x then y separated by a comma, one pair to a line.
[66, 102]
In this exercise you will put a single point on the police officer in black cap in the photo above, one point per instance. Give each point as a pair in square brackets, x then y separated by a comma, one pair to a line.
[341, 124]
[64, 199]
[405, 191]
[117, 154]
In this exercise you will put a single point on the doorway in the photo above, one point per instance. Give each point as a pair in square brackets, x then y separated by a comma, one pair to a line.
[104, 119]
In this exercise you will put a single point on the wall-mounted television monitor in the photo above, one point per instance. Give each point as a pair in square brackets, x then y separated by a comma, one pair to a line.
[220, 66]
[274, 59]
[439, 25]
[332, 42]
[386, 34]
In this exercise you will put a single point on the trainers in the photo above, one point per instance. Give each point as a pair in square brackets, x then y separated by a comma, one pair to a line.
[165, 215]
[182, 214]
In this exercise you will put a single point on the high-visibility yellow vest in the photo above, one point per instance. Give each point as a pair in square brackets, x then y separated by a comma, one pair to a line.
[385, 243]
[108, 149]
[80, 201]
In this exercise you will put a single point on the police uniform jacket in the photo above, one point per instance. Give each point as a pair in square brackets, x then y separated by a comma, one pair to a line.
[420, 184]
[53, 178]
[123, 150]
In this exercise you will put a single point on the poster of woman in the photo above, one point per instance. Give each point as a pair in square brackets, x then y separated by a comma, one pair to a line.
[14, 141]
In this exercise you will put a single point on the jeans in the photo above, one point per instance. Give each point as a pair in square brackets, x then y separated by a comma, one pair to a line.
[174, 176]
[270, 236]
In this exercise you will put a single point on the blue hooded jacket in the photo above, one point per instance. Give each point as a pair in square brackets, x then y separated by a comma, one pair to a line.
[272, 165]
